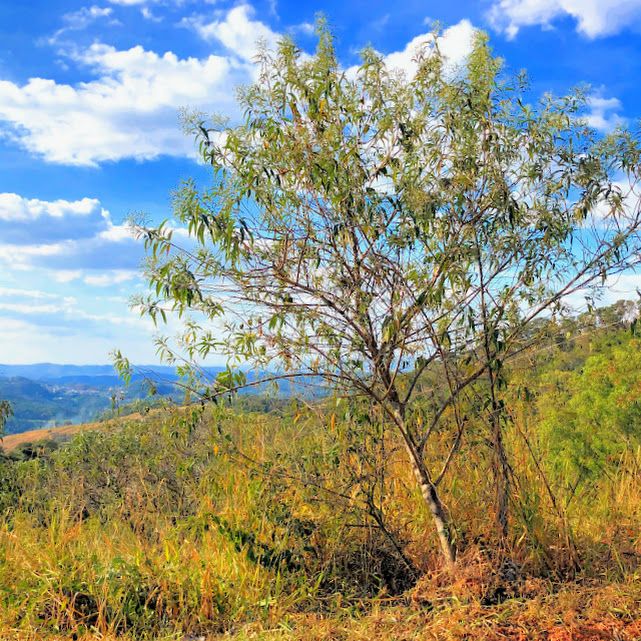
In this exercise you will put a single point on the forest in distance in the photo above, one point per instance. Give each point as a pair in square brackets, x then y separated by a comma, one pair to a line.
[47, 395]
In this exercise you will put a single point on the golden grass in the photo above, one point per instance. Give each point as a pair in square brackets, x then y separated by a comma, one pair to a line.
[201, 579]
[570, 613]
[12, 441]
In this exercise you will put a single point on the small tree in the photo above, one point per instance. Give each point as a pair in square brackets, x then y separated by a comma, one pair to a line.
[364, 227]
[6, 411]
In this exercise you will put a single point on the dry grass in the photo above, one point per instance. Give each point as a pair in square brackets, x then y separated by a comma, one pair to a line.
[569, 613]
[203, 583]
[12, 441]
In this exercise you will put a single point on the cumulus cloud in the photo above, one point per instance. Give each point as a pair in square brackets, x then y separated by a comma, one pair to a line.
[594, 18]
[15, 208]
[130, 107]
[455, 44]
[63, 235]
[604, 113]
[54, 220]
[129, 111]
[236, 31]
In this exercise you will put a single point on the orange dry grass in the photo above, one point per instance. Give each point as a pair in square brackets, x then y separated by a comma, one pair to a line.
[438, 610]
[12, 441]
[514, 620]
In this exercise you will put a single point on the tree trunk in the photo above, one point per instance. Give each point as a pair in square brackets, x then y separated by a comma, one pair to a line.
[441, 519]
[501, 473]
[431, 497]
[428, 490]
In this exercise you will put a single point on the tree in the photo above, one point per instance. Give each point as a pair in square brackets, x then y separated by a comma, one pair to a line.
[593, 415]
[364, 228]
[6, 411]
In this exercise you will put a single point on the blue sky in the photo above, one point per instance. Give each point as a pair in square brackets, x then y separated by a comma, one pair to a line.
[89, 131]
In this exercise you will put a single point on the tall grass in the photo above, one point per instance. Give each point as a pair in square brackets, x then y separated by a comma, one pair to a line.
[198, 521]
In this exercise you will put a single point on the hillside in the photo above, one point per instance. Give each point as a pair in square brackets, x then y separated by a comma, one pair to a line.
[56, 395]
[58, 434]
[64, 433]
[38, 405]
[46, 404]
[268, 519]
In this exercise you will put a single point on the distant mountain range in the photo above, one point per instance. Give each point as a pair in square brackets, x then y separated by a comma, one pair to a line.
[53, 372]
[45, 395]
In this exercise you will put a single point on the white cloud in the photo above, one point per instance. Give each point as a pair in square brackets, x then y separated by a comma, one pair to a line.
[72, 331]
[57, 221]
[112, 277]
[116, 233]
[455, 44]
[129, 111]
[26, 342]
[19, 255]
[624, 286]
[604, 113]
[148, 15]
[81, 19]
[604, 215]
[85, 253]
[15, 208]
[85, 16]
[237, 31]
[12, 325]
[594, 17]
[130, 108]
[65, 275]
[30, 308]
[306, 28]
[69, 236]
[24, 293]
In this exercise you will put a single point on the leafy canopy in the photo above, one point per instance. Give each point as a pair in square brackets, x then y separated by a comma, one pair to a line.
[361, 223]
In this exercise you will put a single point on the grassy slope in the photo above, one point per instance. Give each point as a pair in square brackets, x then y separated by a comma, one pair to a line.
[163, 532]
[47, 564]
[62, 433]
[12, 441]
